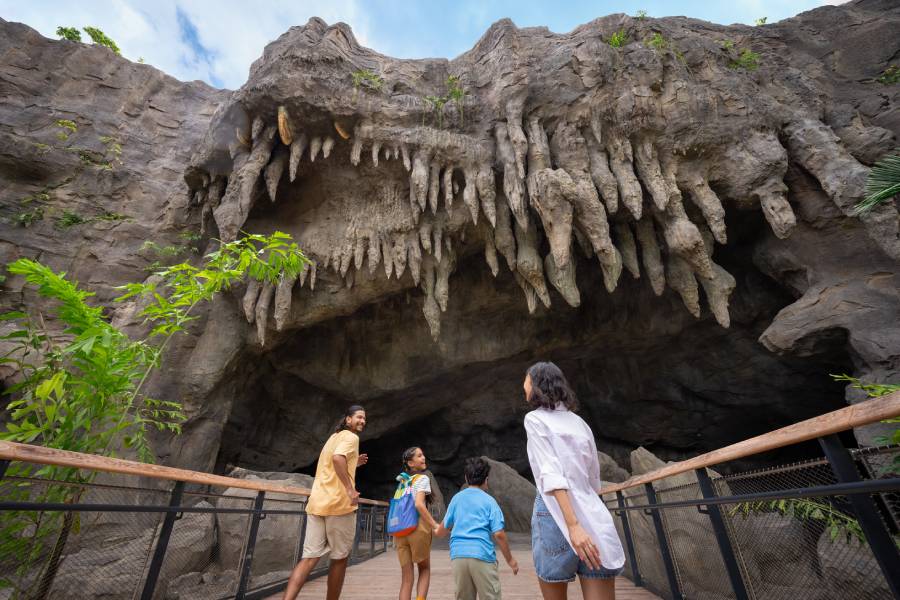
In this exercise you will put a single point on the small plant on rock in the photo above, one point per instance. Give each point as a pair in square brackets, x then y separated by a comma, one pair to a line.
[658, 42]
[641, 15]
[364, 76]
[101, 39]
[70, 219]
[727, 44]
[760, 21]
[747, 60]
[30, 217]
[69, 33]
[618, 39]
[890, 76]
[66, 129]
[457, 94]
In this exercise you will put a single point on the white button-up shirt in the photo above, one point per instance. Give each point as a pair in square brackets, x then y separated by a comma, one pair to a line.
[563, 456]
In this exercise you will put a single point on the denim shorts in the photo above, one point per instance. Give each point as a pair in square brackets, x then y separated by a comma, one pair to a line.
[554, 559]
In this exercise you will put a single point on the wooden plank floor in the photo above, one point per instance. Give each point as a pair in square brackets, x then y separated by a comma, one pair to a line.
[379, 579]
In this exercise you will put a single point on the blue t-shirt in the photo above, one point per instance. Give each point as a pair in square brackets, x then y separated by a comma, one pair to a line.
[473, 517]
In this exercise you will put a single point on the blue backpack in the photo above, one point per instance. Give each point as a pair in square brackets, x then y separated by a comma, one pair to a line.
[403, 518]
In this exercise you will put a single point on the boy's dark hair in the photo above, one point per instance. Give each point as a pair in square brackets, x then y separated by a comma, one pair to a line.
[477, 470]
[352, 410]
[549, 387]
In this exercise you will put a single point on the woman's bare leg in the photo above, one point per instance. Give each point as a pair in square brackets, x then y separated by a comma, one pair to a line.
[554, 591]
[598, 589]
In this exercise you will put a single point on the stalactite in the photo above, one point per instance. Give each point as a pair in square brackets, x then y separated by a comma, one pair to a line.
[434, 186]
[283, 295]
[298, 146]
[648, 169]
[249, 302]
[274, 171]
[680, 278]
[620, 159]
[627, 248]
[650, 255]
[315, 145]
[563, 279]
[262, 311]
[504, 238]
[470, 196]
[529, 263]
[327, 145]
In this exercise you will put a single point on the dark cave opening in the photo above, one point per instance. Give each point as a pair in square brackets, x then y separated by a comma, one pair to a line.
[647, 374]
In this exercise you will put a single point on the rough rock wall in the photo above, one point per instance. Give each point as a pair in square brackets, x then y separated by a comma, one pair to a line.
[657, 210]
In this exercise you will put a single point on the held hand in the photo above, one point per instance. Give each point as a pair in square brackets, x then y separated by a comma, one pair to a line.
[436, 530]
[584, 546]
[363, 459]
[354, 496]
[514, 565]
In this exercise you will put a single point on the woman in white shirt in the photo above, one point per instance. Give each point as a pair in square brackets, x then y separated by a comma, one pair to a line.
[572, 532]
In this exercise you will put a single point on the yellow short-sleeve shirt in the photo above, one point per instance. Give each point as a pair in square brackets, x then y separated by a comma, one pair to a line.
[328, 497]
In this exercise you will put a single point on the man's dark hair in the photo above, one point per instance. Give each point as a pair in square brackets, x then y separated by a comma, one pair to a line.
[549, 387]
[477, 470]
[342, 423]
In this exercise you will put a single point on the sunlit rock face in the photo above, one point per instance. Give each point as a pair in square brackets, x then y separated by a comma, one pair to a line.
[672, 228]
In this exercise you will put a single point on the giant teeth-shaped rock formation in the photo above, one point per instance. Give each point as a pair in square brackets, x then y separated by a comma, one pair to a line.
[635, 159]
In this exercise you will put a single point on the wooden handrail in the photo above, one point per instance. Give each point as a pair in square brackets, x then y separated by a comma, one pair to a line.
[77, 460]
[862, 413]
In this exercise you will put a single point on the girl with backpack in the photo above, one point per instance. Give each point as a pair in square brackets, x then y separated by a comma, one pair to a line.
[411, 523]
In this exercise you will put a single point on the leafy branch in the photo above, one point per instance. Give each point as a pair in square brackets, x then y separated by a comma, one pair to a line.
[882, 184]
[81, 389]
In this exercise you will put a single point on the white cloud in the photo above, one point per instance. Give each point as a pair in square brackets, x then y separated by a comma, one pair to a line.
[234, 32]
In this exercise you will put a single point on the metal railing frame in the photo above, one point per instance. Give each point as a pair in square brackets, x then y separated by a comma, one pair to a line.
[367, 513]
[850, 484]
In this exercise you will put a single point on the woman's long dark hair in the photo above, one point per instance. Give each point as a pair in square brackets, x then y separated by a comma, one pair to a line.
[407, 456]
[342, 424]
[549, 387]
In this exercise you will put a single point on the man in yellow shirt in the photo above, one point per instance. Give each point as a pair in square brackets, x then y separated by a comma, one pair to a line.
[331, 508]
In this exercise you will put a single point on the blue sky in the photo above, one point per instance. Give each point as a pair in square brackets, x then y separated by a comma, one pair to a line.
[217, 40]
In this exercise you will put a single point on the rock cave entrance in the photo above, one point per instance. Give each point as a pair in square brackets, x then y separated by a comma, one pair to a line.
[646, 371]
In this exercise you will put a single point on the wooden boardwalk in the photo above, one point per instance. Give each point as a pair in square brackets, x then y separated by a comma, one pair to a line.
[379, 579]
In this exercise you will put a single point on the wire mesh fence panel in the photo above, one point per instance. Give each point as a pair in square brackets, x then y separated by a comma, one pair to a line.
[646, 546]
[278, 541]
[692, 540]
[880, 463]
[612, 503]
[804, 547]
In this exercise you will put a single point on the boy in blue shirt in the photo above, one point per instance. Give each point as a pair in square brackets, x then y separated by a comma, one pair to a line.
[473, 519]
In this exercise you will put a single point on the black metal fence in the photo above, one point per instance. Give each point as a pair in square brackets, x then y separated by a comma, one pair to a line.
[107, 540]
[819, 529]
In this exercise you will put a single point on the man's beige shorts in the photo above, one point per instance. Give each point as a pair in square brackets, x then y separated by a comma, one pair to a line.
[332, 536]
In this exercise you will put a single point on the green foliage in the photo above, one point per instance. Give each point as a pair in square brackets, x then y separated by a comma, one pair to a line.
[82, 389]
[882, 184]
[364, 76]
[641, 15]
[69, 33]
[66, 128]
[760, 21]
[69, 219]
[890, 76]
[658, 42]
[455, 93]
[727, 44]
[618, 39]
[141, 60]
[98, 37]
[111, 216]
[877, 390]
[747, 60]
[834, 521]
[30, 217]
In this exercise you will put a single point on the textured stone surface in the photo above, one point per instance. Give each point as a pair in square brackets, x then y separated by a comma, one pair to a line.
[723, 193]
[513, 493]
